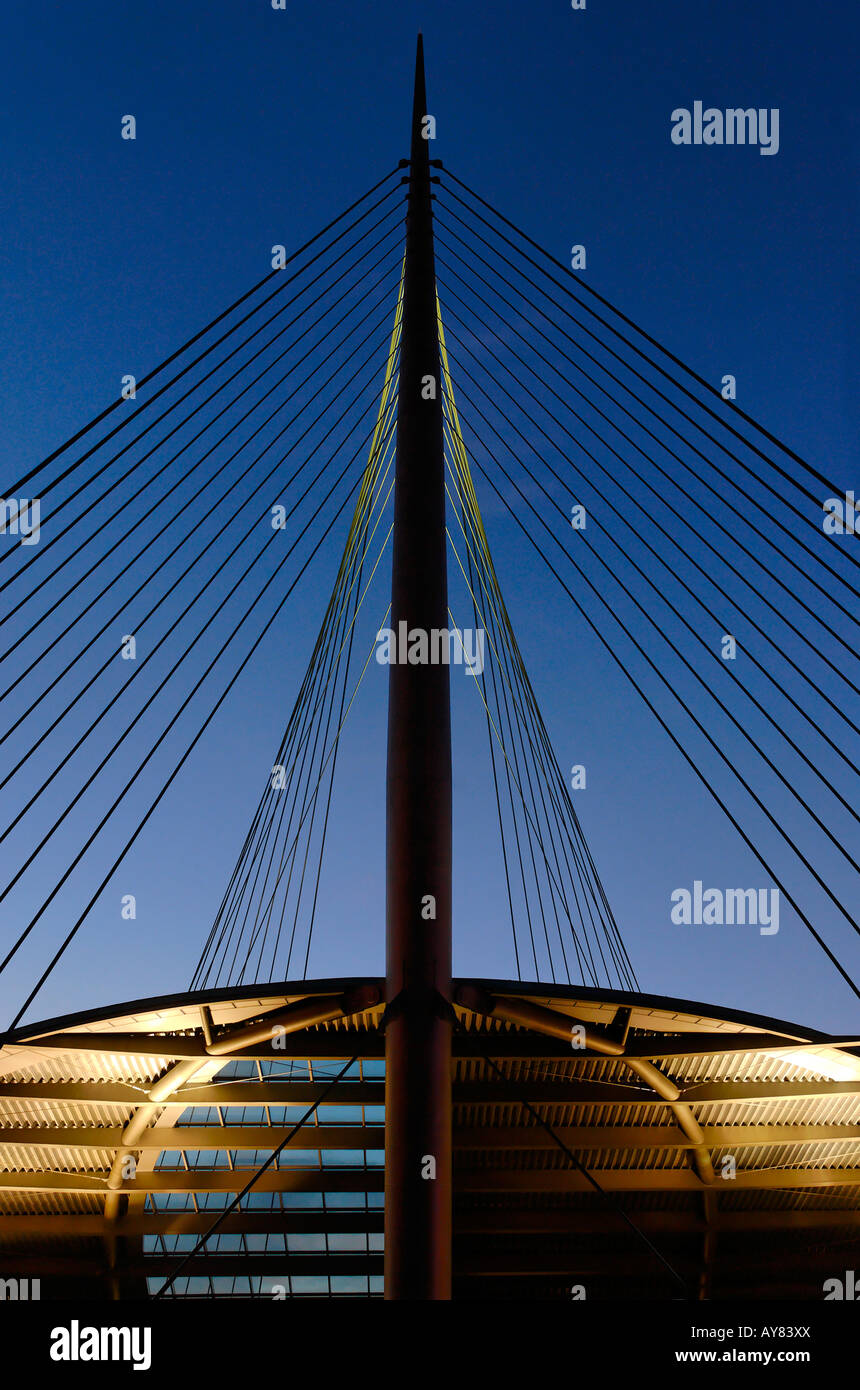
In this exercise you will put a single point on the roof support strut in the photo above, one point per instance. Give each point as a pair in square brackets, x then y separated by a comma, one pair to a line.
[559, 1025]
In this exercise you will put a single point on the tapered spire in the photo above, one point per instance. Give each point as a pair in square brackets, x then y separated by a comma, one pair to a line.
[418, 836]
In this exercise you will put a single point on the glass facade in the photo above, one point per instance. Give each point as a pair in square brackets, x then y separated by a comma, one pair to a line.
[299, 1222]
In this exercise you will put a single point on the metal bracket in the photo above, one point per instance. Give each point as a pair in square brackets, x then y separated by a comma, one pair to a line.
[439, 1005]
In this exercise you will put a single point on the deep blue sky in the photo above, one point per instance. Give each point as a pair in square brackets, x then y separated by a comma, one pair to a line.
[257, 126]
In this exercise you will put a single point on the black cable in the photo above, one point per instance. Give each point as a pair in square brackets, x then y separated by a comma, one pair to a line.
[556, 1138]
[516, 831]
[301, 715]
[705, 686]
[773, 820]
[336, 746]
[222, 1216]
[513, 743]
[788, 531]
[23, 936]
[719, 555]
[545, 762]
[472, 586]
[346, 592]
[585, 845]
[129, 726]
[303, 776]
[532, 823]
[299, 747]
[213, 395]
[518, 781]
[165, 496]
[296, 731]
[347, 581]
[309, 798]
[769, 572]
[496, 788]
[290, 853]
[22, 869]
[748, 842]
[22, 482]
[186, 539]
[720, 418]
[251, 852]
[505, 643]
[188, 536]
[252, 835]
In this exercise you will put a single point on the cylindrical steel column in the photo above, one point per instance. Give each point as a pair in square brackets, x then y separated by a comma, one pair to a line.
[418, 835]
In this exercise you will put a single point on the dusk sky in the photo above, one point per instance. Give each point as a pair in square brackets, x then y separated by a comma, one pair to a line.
[256, 127]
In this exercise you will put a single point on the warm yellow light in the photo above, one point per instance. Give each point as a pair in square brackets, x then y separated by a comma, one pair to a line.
[827, 1061]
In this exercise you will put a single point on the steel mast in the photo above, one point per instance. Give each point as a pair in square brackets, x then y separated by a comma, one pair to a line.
[419, 1014]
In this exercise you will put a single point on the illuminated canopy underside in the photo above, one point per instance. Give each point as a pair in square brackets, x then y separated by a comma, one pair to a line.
[79, 1094]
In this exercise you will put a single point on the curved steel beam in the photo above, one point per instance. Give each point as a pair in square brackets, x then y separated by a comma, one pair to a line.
[559, 1025]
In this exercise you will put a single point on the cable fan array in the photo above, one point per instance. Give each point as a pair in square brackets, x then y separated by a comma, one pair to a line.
[554, 892]
[701, 526]
[161, 545]
[164, 548]
[265, 914]
[267, 911]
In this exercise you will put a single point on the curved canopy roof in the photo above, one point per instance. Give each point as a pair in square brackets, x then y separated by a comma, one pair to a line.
[730, 1142]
